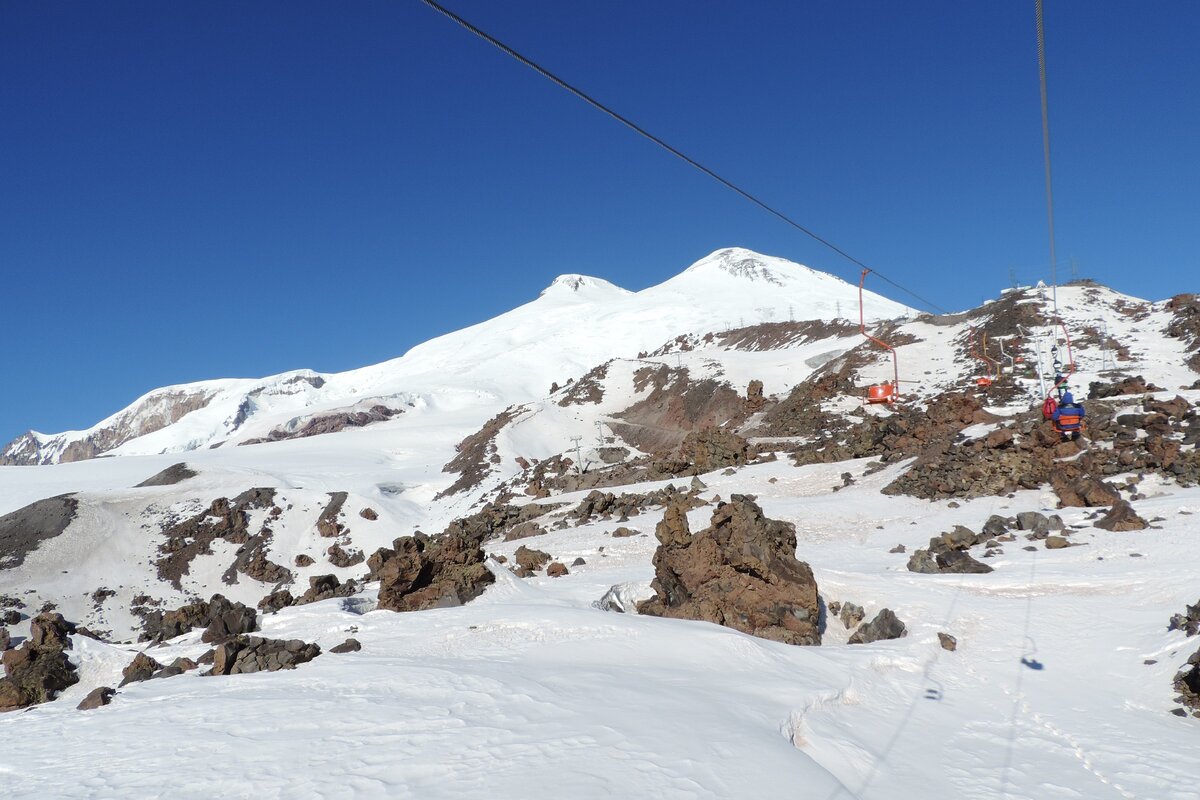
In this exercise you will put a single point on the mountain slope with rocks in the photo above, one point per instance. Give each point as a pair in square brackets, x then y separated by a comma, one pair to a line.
[659, 536]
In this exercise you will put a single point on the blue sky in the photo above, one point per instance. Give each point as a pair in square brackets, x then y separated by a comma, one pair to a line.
[200, 190]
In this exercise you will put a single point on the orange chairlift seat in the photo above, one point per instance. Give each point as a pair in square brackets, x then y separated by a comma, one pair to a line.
[888, 391]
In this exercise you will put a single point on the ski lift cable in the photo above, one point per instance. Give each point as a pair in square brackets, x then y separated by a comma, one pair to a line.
[584, 96]
[1041, 49]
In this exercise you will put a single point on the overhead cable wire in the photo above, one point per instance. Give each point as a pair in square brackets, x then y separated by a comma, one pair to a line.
[1041, 50]
[584, 96]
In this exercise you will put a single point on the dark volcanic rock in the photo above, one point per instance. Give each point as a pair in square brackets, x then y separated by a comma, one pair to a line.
[957, 561]
[219, 616]
[885, 626]
[348, 646]
[100, 696]
[327, 523]
[1188, 621]
[141, 668]
[1122, 517]
[176, 473]
[947, 642]
[1085, 492]
[245, 654]
[741, 572]
[530, 560]
[711, 449]
[1187, 683]
[21, 531]
[224, 519]
[39, 669]
[418, 572]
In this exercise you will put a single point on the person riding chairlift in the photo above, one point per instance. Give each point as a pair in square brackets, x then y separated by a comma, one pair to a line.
[1068, 417]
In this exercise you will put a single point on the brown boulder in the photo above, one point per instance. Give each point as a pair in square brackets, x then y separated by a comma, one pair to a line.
[246, 654]
[740, 572]
[556, 569]
[38, 670]
[100, 696]
[530, 560]
[1122, 517]
[141, 668]
[1085, 492]
[420, 573]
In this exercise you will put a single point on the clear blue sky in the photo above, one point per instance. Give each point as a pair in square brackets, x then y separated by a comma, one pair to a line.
[199, 190]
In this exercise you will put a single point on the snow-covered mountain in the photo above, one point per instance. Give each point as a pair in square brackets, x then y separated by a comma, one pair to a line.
[1039, 658]
[575, 323]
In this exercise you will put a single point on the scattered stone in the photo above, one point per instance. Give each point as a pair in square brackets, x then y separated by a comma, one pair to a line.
[851, 615]
[897, 549]
[369, 514]
[219, 615]
[1056, 542]
[304, 560]
[1122, 517]
[556, 569]
[5, 639]
[578, 562]
[740, 572]
[886, 625]
[100, 696]
[623, 532]
[697, 485]
[947, 642]
[348, 646]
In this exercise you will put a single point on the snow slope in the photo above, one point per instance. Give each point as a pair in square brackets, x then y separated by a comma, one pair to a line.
[576, 323]
[531, 689]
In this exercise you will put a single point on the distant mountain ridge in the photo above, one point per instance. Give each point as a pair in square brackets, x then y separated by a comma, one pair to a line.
[575, 323]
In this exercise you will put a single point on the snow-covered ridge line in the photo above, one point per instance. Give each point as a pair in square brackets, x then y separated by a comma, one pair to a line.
[574, 324]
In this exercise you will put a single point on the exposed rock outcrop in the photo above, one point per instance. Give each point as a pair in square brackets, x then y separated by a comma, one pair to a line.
[418, 572]
[1122, 517]
[39, 669]
[245, 654]
[224, 519]
[741, 572]
[219, 616]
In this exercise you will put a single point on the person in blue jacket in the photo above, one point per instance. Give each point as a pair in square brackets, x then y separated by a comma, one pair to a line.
[1068, 417]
